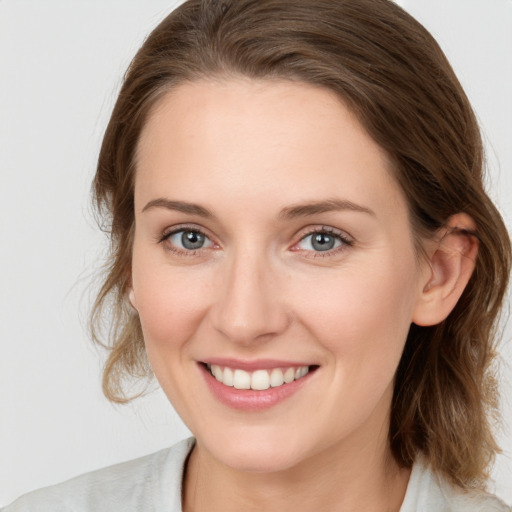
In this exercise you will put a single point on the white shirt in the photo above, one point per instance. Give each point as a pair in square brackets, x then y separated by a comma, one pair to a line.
[153, 484]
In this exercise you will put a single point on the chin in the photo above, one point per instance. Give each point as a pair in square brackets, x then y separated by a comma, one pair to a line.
[258, 461]
[257, 453]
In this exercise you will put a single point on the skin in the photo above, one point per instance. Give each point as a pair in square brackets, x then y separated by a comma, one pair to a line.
[245, 151]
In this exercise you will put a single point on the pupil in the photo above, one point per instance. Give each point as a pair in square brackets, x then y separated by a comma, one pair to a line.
[322, 242]
[192, 240]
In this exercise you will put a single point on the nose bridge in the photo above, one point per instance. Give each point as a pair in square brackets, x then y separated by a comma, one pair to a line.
[249, 305]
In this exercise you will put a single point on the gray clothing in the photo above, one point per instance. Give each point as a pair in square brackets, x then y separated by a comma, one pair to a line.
[153, 484]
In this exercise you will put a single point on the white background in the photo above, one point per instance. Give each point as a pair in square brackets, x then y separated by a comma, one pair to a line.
[61, 64]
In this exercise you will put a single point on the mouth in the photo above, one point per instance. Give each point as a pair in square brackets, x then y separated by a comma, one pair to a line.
[258, 380]
[256, 386]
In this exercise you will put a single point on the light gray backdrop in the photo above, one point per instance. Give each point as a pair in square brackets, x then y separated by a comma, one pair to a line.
[60, 67]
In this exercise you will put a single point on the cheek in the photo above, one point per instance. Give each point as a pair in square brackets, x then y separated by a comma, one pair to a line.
[170, 302]
[363, 318]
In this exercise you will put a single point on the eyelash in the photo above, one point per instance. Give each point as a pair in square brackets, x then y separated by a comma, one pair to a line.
[179, 229]
[340, 236]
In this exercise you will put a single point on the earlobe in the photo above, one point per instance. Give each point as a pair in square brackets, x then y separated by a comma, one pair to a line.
[451, 261]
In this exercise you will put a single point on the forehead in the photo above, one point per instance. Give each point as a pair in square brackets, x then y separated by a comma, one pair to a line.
[287, 140]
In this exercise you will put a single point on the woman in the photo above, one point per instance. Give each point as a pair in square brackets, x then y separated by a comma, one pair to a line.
[305, 257]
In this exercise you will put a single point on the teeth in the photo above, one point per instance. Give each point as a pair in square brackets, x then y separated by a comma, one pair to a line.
[228, 377]
[217, 373]
[242, 379]
[289, 375]
[258, 380]
[276, 377]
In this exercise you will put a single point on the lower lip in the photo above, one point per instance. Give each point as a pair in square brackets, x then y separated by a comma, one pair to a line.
[248, 399]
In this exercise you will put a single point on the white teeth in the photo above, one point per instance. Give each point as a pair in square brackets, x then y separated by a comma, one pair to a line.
[300, 372]
[228, 376]
[289, 375]
[217, 372]
[242, 379]
[258, 380]
[276, 377]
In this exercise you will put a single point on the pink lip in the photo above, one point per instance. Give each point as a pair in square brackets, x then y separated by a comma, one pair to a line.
[251, 366]
[248, 399]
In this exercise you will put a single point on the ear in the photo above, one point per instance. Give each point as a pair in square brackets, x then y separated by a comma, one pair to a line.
[451, 261]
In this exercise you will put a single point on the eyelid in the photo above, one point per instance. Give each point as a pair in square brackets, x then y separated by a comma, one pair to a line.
[321, 228]
[346, 240]
[172, 230]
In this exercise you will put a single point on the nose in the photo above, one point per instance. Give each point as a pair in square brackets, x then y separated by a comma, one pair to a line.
[250, 306]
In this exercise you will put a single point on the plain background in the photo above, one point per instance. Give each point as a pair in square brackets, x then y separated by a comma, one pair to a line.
[61, 64]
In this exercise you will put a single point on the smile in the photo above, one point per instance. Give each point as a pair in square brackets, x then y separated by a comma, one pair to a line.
[258, 380]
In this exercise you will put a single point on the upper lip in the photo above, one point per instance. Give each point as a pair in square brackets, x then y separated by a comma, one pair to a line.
[252, 365]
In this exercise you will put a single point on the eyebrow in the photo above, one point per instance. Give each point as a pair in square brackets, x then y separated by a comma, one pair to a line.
[330, 205]
[288, 213]
[179, 206]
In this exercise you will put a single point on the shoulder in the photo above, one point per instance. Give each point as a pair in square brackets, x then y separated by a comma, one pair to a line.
[134, 485]
[428, 491]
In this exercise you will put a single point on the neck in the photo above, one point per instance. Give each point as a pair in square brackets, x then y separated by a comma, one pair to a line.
[357, 474]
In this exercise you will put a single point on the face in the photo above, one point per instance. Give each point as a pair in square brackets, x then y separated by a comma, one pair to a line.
[272, 248]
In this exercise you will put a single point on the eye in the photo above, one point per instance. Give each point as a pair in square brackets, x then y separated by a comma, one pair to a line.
[323, 240]
[188, 240]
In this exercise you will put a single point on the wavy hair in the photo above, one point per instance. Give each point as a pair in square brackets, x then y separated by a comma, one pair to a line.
[392, 74]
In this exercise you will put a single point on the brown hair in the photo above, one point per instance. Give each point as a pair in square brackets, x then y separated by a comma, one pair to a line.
[390, 71]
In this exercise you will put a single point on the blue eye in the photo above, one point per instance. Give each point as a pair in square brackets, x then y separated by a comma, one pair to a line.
[189, 239]
[321, 241]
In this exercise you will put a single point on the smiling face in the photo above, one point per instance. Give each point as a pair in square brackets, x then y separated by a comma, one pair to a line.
[271, 243]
